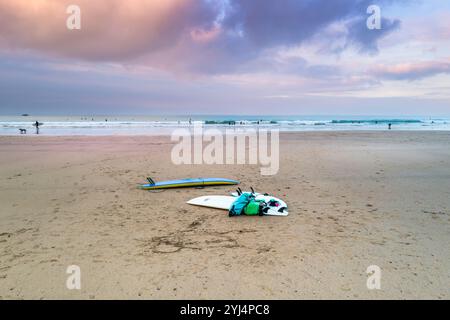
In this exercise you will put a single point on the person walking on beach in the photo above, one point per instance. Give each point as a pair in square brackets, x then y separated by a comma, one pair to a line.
[36, 124]
[389, 126]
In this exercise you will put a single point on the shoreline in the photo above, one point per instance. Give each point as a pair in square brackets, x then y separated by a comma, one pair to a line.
[324, 132]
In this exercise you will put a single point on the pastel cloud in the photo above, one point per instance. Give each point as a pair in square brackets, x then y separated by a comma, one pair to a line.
[111, 29]
[267, 23]
[412, 71]
[367, 41]
[206, 36]
[202, 35]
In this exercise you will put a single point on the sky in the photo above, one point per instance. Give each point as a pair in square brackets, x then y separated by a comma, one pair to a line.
[186, 57]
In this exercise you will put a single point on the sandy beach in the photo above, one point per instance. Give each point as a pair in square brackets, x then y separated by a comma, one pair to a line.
[355, 199]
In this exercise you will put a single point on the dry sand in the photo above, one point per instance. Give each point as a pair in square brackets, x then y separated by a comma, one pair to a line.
[356, 199]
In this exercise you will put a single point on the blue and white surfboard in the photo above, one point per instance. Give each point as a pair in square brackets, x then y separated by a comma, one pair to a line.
[182, 183]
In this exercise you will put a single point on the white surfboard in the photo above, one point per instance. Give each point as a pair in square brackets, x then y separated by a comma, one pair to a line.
[217, 202]
[279, 207]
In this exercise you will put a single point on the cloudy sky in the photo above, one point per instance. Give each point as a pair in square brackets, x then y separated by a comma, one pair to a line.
[225, 57]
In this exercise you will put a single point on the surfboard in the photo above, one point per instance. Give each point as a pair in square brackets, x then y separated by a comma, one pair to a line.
[183, 183]
[216, 202]
[279, 207]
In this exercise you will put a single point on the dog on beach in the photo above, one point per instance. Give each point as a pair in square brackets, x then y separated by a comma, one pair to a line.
[23, 131]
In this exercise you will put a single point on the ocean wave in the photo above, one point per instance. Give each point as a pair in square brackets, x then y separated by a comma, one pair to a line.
[240, 122]
[376, 121]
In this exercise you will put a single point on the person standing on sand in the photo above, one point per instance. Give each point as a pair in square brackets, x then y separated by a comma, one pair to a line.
[37, 127]
[389, 126]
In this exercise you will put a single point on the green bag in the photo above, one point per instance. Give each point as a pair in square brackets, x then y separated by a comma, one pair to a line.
[252, 208]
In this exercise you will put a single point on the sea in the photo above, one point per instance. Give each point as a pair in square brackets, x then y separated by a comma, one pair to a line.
[164, 125]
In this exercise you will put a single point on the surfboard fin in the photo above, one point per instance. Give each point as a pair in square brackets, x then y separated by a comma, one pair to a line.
[150, 180]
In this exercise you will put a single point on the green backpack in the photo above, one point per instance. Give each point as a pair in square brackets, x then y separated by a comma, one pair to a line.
[253, 208]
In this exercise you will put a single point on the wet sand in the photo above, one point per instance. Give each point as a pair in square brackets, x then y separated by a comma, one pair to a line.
[355, 199]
